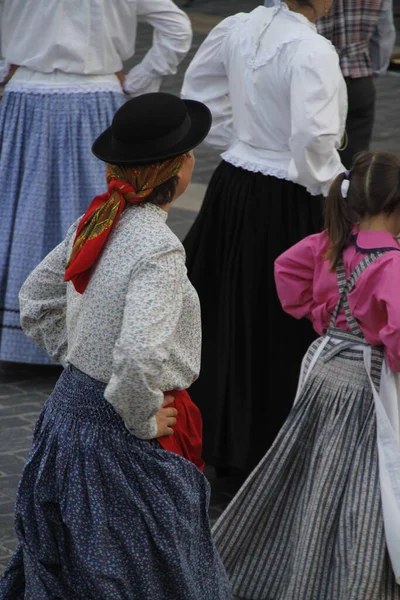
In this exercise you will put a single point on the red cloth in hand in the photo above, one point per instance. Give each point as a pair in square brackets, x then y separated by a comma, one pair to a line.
[187, 439]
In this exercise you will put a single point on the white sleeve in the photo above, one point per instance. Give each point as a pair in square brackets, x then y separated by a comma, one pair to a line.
[152, 310]
[172, 39]
[43, 301]
[206, 80]
[318, 100]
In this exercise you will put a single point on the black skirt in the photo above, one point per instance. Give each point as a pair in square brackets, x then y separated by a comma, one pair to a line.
[252, 350]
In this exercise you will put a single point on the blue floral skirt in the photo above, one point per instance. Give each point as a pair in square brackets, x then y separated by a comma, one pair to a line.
[48, 176]
[101, 514]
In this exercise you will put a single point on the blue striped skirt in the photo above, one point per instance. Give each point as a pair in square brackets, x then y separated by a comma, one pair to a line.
[308, 524]
[101, 514]
[48, 176]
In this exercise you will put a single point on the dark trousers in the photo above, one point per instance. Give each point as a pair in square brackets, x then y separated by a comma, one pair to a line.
[360, 118]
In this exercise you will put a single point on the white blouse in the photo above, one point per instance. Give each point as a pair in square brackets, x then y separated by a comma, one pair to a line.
[276, 93]
[94, 37]
[136, 327]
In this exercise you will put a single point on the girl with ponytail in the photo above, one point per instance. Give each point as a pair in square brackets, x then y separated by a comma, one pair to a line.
[320, 515]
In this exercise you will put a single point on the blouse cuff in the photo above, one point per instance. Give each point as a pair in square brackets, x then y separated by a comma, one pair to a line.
[140, 81]
[147, 431]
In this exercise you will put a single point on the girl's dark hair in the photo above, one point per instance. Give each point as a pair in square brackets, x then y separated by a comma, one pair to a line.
[374, 189]
[164, 193]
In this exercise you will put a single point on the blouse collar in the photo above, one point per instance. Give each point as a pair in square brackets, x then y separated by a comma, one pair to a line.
[374, 240]
[156, 210]
[298, 16]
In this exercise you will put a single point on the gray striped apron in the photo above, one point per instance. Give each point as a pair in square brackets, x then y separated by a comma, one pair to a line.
[290, 532]
[343, 339]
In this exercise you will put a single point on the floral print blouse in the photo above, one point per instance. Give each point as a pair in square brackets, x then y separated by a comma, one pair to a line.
[136, 327]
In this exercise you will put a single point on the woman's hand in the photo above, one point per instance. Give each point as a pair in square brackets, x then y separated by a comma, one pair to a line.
[10, 73]
[166, 418]
[121, 76]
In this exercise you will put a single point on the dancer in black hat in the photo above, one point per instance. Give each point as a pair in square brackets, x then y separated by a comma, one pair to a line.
[112, 502]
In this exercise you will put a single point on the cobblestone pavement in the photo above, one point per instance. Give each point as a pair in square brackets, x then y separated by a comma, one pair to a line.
[24, 388]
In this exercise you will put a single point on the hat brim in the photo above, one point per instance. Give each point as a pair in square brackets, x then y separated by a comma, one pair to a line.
[201, 121]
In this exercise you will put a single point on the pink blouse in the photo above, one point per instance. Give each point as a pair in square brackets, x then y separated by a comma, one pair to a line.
[307, 288]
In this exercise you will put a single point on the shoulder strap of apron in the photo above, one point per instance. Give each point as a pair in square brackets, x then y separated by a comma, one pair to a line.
[346, 286]
[347, 338]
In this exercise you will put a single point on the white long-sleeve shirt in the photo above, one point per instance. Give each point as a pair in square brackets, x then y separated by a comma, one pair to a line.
[94, 37]
[136, 327]
[276, 93]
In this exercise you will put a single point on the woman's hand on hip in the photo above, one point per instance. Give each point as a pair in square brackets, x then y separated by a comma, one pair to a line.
[166, 418]
[121, 76]
[10, 73]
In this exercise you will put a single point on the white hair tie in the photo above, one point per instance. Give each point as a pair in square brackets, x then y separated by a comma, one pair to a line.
[345, 188]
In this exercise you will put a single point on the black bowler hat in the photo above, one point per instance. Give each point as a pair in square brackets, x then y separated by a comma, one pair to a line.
[152, 128]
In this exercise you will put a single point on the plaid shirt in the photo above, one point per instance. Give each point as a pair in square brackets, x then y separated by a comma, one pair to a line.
[350, 26]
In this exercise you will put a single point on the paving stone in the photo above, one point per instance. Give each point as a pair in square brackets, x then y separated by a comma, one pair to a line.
[37, 398]
[5, 522]
[8, 540]
[8, 391]
[22, 409]
[10, 464]
[10, 482]
[11, 422]
[5, 553]
[43, 385]
[7, 508]
[18, 439]
[7, 544]
[29, 422]
[5, 557]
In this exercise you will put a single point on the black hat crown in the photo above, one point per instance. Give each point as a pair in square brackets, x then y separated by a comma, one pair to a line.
[153, 127]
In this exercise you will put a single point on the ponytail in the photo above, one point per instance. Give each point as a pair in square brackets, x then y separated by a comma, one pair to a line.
[372, 188]
[338, 221]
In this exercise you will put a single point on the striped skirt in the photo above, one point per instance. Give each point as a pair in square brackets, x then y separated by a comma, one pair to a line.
[307, 524]
[103, 515]
[48, 176]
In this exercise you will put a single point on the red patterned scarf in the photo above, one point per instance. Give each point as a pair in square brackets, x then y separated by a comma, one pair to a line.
[125, 185]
